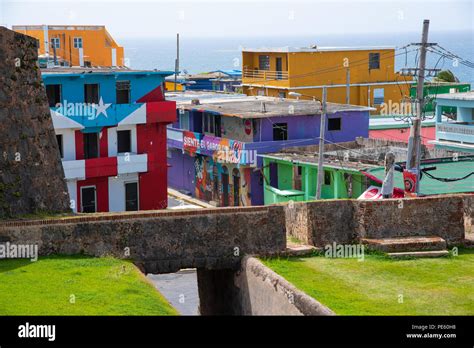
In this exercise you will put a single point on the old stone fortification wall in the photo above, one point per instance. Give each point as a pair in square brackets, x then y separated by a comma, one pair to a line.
[253, 289]
[346, 221]
[31, 174]
[162, 241]
[263, 292]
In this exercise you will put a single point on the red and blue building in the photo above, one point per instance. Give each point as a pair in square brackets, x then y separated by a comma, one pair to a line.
[111, 131]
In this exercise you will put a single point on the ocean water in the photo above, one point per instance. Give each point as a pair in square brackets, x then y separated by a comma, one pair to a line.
[207, 54]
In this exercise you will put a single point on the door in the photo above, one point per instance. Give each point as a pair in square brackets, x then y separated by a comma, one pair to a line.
[225, 187]
[88, 199]
[131, 196]
[279, 67]
[236, 185]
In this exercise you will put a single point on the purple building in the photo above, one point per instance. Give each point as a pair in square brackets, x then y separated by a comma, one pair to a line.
[213, 147]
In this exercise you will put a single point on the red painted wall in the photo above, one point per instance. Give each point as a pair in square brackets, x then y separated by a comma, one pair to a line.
[402, 134]
[102, 192]
[103, 145]
[151, 139]
[97, 167]
[79, 145]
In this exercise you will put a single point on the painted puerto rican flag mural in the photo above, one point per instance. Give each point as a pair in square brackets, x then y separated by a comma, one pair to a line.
[114, 155]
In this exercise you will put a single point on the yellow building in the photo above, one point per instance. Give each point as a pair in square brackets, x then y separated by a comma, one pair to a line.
[76, 45]
[370, 72]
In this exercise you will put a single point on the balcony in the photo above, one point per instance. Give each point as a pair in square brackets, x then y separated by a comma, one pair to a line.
[264, 76]
[461, 132]
[105, 166]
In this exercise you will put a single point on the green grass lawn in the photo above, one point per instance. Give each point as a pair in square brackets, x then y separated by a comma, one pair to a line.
[100, 286]
[441, 286]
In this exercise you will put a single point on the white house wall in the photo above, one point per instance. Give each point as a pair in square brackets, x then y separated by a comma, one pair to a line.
[117, 190]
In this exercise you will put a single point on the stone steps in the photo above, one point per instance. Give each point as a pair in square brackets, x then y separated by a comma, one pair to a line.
[432, 253]
[406, 244]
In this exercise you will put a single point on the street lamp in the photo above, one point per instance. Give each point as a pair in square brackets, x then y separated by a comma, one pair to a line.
[298, 95]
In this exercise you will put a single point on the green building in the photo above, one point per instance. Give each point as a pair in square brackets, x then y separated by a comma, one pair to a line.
[432, 89]
[293, 176]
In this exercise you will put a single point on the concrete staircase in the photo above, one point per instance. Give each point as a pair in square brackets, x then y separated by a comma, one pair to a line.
[409, 246]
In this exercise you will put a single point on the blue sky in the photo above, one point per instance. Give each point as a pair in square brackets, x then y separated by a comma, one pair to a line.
[238, 18]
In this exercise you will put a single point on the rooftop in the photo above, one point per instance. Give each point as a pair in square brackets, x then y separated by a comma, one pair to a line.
[76, 71]
[445, 168]
[331, 160]
[58, 27]
[315, 48]
[469, 96]
[249, 107]
[185, 97]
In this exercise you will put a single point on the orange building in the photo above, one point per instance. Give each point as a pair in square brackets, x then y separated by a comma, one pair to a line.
[355, 75]
[76, 45]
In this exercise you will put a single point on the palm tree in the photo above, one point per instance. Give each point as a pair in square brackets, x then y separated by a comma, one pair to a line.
[445, 76]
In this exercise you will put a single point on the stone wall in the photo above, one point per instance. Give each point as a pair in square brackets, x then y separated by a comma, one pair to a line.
[31, 173]
[346, 221]
[253, 289]
[263, 292]
[160, 241]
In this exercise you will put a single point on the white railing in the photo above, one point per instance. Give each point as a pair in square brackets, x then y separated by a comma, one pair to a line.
[264, 74]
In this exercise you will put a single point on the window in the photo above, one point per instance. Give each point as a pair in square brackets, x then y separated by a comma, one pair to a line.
[122, 89]
[59, 139]
[282, 95]
[55, 42]
[374, 61]
[264, 62]
[280, 131]
[334, 124]
[212, 124]
[327, 177]
[297, 182]
[78, 42]
[273, 174]
[91, 145]
[91, 93]
[124, 141]
[88, 199]
[54, 94]
[378, 96]
[131, 196]
[217, 125]
[184, 120]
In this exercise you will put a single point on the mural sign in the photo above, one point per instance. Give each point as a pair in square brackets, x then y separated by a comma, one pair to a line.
[220, 149]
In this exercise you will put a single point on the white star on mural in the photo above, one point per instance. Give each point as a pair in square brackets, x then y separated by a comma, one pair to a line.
[101, 108]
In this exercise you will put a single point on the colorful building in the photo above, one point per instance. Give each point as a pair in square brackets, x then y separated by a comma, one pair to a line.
[218, 80]
[432, 89]
[76, 45]
[370, 72]
[395, 129]
[455, 132]
[213, 147]
[111, 131]
[445, 168]
[293, 175]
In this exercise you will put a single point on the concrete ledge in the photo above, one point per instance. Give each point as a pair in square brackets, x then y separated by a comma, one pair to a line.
[263, 292]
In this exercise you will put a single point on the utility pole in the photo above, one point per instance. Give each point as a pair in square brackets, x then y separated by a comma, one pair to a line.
[176, 64]
[414, 142]
[322, 131]
[348, 86]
